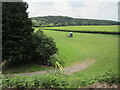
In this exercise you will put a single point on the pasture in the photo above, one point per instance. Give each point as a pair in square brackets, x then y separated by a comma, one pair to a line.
[81, 47]
[103, 48]
[112, 28]
[72, 51]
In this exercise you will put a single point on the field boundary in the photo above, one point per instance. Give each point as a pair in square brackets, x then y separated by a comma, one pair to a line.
[93, 32]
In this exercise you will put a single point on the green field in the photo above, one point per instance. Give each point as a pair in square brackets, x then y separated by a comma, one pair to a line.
[24, 68]
[113, 28]
[72, 51]
[104, 48]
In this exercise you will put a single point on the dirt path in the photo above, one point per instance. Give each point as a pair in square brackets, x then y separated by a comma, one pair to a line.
[79, 67]
[69, 70]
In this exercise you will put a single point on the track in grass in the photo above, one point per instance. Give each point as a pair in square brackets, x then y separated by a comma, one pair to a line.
[79, 67]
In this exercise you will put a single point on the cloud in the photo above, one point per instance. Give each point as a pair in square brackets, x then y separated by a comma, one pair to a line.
[83, 9]
[47, 8]
[98, 10]
[71, 1]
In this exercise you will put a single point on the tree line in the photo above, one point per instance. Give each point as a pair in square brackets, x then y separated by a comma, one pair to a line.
[50, 21]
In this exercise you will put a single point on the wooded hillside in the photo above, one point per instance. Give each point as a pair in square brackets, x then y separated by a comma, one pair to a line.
[69, 21]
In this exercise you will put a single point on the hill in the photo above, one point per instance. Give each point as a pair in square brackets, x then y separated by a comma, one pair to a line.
[69, 21]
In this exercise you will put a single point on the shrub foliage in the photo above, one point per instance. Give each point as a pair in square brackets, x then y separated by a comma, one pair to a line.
[58, 79]
[20, 43]
[43, 48]
[16, 31]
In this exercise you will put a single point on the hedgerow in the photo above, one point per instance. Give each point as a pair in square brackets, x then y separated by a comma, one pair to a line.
[57, 79]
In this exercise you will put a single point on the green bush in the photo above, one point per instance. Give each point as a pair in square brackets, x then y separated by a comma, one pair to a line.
[53, 59]
[58, 79]
[43, 48]
[52, 80]
[110, 77]
[20, 43]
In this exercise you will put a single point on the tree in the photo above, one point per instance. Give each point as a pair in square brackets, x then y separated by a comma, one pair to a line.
[16, 31]
[43, 48]
[20, 43]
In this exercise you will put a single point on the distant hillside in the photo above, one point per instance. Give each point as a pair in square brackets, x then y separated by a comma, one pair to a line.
[69, 21]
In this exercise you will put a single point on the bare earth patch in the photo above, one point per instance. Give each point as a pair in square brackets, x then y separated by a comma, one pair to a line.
[79, 67]
[69, 70]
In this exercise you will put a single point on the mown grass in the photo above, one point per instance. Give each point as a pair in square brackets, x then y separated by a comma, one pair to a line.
[104, 48]
[113, 28]
[24, 68]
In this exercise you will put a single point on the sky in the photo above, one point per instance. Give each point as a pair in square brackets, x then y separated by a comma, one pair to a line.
[90, 9]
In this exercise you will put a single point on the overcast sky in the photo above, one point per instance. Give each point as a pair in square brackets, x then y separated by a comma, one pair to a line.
[92, 9]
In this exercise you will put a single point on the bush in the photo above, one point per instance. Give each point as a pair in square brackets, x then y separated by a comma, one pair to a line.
[52, 80]
[58, 79]
[109, 77]
[43, 48]
[20, 43]
[53, 59]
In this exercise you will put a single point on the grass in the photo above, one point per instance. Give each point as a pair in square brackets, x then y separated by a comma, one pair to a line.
[24, 68]
[113, 28]
[104, 48]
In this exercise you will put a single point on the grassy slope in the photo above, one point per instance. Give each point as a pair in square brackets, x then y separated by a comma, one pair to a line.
[82, 46]
[104, 48]
[24, 68]
[113, 28]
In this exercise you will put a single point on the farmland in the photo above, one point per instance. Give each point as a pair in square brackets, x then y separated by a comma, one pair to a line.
[72, 51]
[103, 48]
[112, 28]
[57, 52]
[81, 47]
